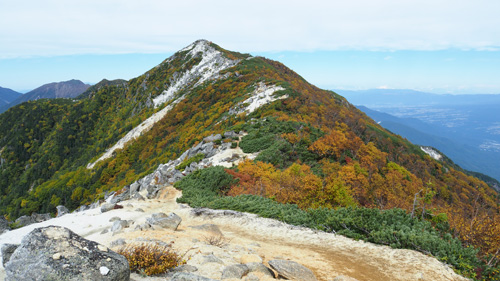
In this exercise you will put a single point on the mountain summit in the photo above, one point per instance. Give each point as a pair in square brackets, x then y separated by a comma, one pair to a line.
[247, 133]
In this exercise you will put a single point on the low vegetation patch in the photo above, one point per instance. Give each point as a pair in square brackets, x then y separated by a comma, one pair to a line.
[151, 259]
[393, 227]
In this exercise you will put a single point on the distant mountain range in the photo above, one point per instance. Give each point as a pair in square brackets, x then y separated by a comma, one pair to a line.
[66, 89]
[464, 127]
[7, 96]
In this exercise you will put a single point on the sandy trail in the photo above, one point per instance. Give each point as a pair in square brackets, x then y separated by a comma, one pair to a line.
[327, 255]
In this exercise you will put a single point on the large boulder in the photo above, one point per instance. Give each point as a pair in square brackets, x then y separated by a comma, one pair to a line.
[292, 270]
[57, 253]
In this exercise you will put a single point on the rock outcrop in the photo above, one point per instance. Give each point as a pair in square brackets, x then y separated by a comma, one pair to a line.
[4, 225]
[57, 253]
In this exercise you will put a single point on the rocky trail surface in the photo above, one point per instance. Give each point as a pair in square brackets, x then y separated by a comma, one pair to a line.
[241, 238]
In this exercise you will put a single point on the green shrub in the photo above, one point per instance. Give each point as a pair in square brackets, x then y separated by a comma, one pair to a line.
[234, 145]
[150, 259]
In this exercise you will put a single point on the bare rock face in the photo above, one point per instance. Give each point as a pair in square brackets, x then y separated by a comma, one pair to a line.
[57, 253]
[4, 225]
[292, 270]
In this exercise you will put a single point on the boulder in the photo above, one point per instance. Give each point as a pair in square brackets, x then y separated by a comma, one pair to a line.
[24, 221]
[292, 270]
[234, 271]
[57, 253]
[61, 210]
[171, 221]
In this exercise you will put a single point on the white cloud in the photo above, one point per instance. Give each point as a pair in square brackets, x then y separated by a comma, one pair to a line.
[58, 27]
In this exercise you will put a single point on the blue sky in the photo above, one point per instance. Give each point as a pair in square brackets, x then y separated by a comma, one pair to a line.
[440, 46]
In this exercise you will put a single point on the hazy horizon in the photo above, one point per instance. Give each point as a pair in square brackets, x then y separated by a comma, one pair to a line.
[438, 47]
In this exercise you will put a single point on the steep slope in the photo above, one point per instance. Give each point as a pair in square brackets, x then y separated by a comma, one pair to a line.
[66, 89]
[313, 149]
[7, 96]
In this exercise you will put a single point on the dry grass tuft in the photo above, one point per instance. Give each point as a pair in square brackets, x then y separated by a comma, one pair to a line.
[217, 240]
[151, 259]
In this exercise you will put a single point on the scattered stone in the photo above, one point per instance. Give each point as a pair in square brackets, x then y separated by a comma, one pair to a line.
[248, 258]
[7, 250]
[187, 276]
[251, 277]
[171, 221]
[114, 219]
[104, 231]
[234, 271]
[292, 270]
[212, 228]
[254, 244]
[118, 225]
[118, 242]
[211, 258]
[81, 259]
[259, 267]
[139, 210]
[102, 248]
[56, 256]
[138, 197]
[61, 211]
[185, 268]
[107, 207]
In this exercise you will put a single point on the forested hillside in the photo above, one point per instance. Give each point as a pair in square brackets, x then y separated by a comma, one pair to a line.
[315, 149]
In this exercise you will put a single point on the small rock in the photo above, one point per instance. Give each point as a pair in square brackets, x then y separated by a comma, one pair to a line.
[107, 207]
[118, 242]
[104, 231]
[102, 248]
[104, 270]
[171, 221]
[114, 219]
[139, 210]
[187, 276]
[185, 268]
[251, 277]
[259, 267]
[211, 258]
[250, 258]
[292, 270]
[56, 256]
[61, 210]
[234, 271]
[118, 225]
